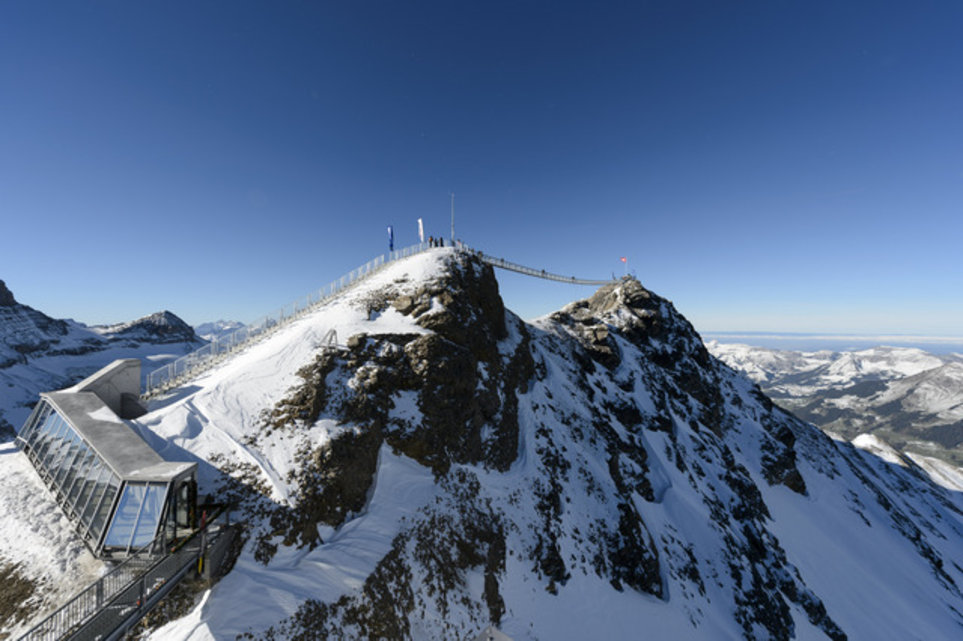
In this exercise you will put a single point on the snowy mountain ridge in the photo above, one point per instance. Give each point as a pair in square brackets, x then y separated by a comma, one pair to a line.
[593, 474]
[800, 373]
[216, 329]
[909, 398]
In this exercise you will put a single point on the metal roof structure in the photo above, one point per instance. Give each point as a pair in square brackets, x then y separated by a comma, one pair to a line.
[120, 447]
[119, 493]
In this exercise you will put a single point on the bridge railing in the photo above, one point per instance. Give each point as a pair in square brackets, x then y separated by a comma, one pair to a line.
[201, 359]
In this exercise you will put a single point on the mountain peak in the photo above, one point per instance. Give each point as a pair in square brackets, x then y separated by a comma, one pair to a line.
[6, 296]
[159, 327]
[627, 292]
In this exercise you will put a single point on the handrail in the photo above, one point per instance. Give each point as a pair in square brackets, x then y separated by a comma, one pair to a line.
[88, 601]
[81, 609]
[200, 360]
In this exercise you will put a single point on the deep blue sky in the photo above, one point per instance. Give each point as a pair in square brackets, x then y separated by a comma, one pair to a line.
[768, 166]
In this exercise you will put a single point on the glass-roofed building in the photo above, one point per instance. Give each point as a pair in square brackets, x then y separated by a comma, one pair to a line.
[119, 493]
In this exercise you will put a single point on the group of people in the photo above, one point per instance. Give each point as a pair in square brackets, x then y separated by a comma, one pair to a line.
[436, 242]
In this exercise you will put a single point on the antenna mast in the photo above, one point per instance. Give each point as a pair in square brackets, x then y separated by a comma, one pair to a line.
[453, 219]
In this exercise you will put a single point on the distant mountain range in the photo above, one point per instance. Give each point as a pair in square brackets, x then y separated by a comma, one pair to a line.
[908, 398]
[40, 353]
[216, 329]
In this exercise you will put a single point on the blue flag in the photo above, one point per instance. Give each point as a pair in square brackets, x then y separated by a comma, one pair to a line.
[391, 238]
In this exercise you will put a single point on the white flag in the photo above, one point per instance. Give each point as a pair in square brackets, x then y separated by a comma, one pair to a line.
[421, 231]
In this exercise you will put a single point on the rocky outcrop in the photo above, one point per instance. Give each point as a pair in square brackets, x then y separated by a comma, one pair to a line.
[25, 332]
[6, 296]
[465, 388]
[18, 594]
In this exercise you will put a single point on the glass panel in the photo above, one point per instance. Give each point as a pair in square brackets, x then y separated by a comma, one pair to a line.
[125, 517]
[44, 435]
[78, 465]
[69, 453]
[78, 450]
[185, 502]
[24, 432]
[150, 515]
[87, 484]
[55, 438]
[38, 415]
[52, 442]
[103, 510]
[81, 479]
[97, 493]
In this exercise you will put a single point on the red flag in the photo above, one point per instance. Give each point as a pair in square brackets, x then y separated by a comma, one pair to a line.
[624, 259]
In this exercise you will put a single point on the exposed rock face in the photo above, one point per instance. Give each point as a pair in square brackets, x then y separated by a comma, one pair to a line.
[464, 388]
[6, 296]
[17, 593]
[910, 399]
[25, 331]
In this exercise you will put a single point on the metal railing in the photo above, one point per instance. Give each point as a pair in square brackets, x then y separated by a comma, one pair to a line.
[200, 360]
[124, 595]
[91, 600]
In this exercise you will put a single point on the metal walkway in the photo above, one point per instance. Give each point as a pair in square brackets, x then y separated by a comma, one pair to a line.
[108, 608]
[528, 271]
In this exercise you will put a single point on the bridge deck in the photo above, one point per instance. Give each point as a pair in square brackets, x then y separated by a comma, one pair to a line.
[528, 271]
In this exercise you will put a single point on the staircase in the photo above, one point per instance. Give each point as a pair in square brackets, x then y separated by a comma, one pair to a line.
[108, 608]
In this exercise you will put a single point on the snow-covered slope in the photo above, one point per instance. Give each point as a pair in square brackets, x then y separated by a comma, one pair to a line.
[910, 399]
[593, 474]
